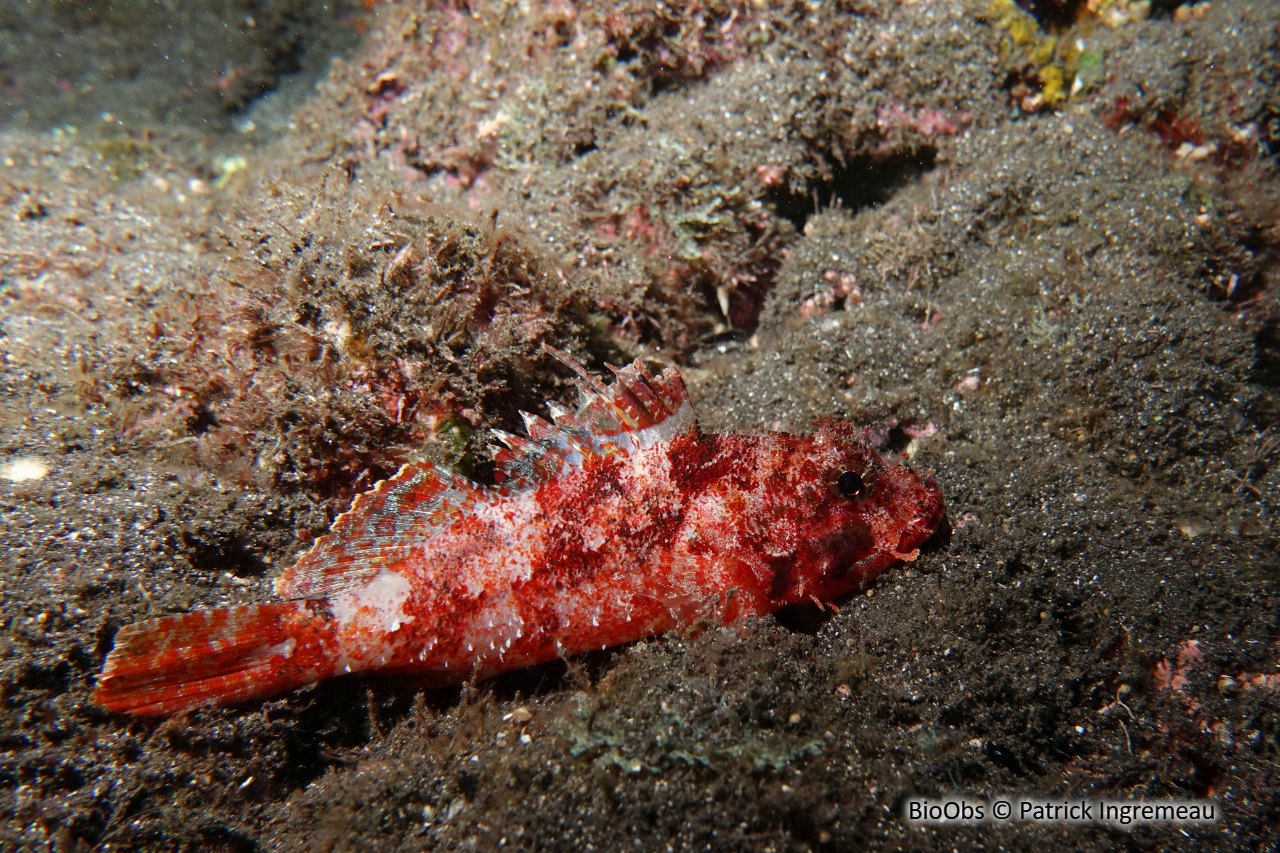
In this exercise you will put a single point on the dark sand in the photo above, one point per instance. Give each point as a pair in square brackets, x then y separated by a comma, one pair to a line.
[213, 336]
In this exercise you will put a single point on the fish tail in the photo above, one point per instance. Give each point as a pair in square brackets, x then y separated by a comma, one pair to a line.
[217, 657]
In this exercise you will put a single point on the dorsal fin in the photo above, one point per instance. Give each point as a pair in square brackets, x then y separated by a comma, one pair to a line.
[636, 403]
[385, 523]
[523, 462]
[638, 410]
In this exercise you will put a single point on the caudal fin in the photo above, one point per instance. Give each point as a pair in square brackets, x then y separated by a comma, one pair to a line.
[231, 654]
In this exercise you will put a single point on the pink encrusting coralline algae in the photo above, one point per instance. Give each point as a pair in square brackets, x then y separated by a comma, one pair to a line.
[619, 521]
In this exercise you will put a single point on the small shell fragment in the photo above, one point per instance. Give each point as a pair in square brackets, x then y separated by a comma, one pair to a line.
[22, 469]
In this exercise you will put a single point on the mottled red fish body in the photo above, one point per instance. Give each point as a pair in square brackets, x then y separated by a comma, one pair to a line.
[618, 521]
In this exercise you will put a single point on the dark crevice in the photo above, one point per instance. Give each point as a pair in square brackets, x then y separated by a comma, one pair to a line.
[328, 719]
[217, 555]
[225, 838]
[1053, 15]
[1269, 138]
[1165, 8]
[1057, 16]
[1266, 356]
[201, 420]
[897, 438]
[35, 676]
[863, 181]
[805, 618]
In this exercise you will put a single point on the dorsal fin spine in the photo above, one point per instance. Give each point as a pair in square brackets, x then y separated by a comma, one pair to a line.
[590, 382]
[636, 412]
[638, 397]
[558, 413]
[511, 441]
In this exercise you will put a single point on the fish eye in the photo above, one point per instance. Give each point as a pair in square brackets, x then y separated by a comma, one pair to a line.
[851, 484]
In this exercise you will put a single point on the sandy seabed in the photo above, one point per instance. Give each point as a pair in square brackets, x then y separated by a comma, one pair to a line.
[1034, 252]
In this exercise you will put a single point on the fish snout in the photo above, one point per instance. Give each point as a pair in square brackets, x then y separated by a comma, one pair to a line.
[930, 513]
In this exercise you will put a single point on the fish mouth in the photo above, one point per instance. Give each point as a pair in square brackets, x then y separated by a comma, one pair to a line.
[932, 514]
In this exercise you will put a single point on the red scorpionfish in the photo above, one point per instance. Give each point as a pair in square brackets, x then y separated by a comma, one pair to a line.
[620, 521]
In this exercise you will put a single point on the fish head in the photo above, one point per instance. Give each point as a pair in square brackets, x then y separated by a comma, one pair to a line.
[840, 512]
